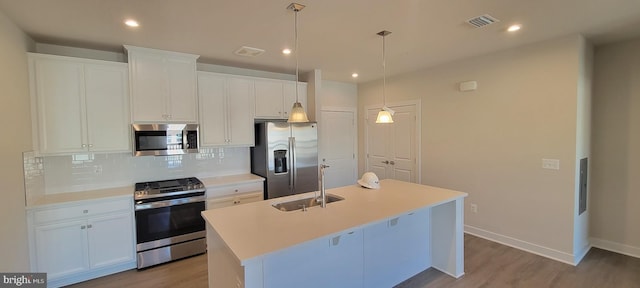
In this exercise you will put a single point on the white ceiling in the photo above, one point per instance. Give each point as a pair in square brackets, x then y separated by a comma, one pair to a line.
[336, 36]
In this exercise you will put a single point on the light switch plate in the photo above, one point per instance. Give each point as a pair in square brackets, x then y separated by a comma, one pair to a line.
[553, 164]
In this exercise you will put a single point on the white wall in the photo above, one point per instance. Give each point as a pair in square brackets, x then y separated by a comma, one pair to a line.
[15, 114]
[339, 94]
[490, 142]
[581, 244]
[615, 166]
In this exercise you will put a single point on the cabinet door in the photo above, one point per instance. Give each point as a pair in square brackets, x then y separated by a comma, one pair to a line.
[290, 96]
[268, 99]
[59, 91]
[334, 261]
[61, 249]
[149, 88]
[239, 112]
[182, 96]
[107, 106]
[211, 91]
[111, 239]
[396, 249]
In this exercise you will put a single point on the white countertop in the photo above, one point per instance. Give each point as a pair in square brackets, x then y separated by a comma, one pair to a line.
[127, 191]
[255, 229]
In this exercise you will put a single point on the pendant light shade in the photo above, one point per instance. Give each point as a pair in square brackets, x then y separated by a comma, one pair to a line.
[297, 114]
[385, 115]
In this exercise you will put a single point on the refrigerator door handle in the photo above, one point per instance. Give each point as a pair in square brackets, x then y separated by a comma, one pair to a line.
[292, 163]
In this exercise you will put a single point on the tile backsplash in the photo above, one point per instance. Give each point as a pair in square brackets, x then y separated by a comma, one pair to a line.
[83, 172]
[33, 168]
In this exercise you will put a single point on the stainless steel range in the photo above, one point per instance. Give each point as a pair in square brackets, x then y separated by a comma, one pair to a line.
[168, 221]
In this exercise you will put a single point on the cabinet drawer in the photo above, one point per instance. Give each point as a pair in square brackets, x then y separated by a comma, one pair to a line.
[221, 202]
[217, 191]
[87, 209]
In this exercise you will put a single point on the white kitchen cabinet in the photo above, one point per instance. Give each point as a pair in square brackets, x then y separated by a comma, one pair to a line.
[163, 86]
[334, 261]
[61, 248]
[73, 243]
[226, 116]
[78, 105]
[391, 246]
[290, 96]
[227, 201]
[274, 98]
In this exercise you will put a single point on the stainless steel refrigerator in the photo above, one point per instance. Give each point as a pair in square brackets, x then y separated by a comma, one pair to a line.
[286, 155]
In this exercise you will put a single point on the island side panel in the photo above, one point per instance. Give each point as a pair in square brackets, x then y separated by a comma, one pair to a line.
[447, 242]
[224, 268]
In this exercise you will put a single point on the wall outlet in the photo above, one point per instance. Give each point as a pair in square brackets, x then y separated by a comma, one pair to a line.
[553, 164]
[474, 208]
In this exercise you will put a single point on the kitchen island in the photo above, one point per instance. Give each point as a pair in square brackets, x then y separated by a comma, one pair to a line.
[372, 238]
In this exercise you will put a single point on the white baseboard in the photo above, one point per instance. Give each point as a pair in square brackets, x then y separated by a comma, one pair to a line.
[616, 247]
[523, 245]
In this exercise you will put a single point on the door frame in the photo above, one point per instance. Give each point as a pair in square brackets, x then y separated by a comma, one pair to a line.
[418, 108]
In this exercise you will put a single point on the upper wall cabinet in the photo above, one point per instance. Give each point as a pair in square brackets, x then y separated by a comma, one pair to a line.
[226, 116]
[163, 85]
[274, 98]
[78, 105]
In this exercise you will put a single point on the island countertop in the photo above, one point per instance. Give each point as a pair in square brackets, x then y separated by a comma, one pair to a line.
[255, 229]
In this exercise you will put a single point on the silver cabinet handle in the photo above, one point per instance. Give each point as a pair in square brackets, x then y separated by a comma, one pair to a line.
[82, 227]
[392, 163]
[84, 145]
[89, 226]
[385, 162]
[90, 145]
[85, 211]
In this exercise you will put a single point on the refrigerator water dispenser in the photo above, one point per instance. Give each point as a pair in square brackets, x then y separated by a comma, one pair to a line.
[280, 159]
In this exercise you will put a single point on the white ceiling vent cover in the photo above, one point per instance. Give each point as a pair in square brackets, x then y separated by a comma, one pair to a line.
[482, 20]
[248, 51]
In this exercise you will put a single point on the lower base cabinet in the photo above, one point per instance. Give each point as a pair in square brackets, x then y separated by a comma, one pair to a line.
[382, 254]
[81, 242]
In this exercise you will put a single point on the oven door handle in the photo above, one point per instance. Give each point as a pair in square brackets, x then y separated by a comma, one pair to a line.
[167, 203]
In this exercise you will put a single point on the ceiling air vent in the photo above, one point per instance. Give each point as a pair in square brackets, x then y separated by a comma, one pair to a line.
[248, 51]
[481, 21]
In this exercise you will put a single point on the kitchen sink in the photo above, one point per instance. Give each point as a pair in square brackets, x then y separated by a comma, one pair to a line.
[304, 203]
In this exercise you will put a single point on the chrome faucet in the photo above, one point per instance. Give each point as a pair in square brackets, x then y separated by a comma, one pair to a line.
[323, 195]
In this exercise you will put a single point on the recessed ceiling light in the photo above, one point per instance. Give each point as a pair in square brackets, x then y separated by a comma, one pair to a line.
[354, 75]
[286, 51]
[514, 28]
[131, 23]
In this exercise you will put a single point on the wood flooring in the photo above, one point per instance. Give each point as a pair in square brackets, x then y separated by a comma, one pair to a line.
[487, 265]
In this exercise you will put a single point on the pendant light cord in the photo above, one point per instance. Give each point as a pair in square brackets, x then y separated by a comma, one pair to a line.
[384, 72]
[296, 51]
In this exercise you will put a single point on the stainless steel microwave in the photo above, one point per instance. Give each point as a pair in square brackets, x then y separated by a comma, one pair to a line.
[164, 139]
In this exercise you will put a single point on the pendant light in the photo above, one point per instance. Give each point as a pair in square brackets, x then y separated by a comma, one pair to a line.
[384, 116]
[297, 114]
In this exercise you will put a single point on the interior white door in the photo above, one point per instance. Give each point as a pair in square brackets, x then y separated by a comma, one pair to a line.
[402, 146]
[392, 148]
[377, 145]
[337, 147]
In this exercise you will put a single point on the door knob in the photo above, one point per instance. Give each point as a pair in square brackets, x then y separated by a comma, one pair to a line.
[385, 162]
[392, 163]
